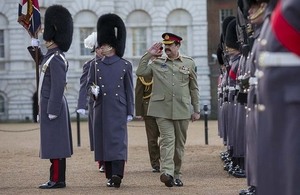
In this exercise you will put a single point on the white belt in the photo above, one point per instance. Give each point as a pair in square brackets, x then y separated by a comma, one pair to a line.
[252, 81]
[279, 59]
[237, 87]
[231, 88]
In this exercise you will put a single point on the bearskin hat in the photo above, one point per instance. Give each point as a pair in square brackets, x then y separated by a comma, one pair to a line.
[248, 3]
[231, 35]
[225, 23]
[111, 30]
[58, 26]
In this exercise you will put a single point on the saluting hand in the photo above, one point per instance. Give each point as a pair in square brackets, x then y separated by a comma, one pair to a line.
[156, 49]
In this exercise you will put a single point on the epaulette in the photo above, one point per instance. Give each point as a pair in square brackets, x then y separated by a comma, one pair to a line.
[188, 57]
[126, 61]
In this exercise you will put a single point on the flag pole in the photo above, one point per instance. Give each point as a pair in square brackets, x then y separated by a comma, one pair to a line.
[31, 21]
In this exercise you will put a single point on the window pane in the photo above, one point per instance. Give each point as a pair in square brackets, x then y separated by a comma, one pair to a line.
[182, 32]
[139, 41]
[225, 13]
[1, 43]
[84, 33]
[1, 104]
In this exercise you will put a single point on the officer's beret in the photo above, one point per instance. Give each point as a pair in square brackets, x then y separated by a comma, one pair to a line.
[169, 38]
[58, 26]
[231, 35]
[111, 30]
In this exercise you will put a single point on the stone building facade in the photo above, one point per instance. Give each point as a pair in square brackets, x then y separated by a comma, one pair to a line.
[145, 21]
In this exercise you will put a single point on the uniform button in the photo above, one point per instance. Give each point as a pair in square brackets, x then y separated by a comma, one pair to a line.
[259, 73]
[173, 95]
[173, 84]
[121, 78]
[116, 94]
[98, 70]
[263, 42]
[124, 70]
[118, 85]
[102, 85]
[100, 77]
[261, 107]
[104, 94]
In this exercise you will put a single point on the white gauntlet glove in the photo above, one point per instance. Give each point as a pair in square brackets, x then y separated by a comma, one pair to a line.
[95, 90]
[81, 111]
[35, 42]
[129, 118]
[51, 116]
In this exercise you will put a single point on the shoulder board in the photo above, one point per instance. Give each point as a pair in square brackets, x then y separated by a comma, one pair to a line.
[187, 57]
[126, 61]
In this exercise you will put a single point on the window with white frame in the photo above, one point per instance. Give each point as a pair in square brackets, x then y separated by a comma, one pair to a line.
[84, 24]
[2, 105]
[3, 26]
[179, 22]
[2, 44]
[139, 42]
[138, 33]
[224, 13]
[84, 32]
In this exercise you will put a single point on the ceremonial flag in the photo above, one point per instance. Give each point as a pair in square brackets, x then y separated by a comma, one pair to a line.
[30, 17]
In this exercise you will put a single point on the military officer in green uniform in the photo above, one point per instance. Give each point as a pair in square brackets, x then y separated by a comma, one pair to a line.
[174, 101]
[143, 92]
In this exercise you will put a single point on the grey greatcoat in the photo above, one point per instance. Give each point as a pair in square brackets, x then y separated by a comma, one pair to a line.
[115, 101]
[56, 137]
[279, 105]
[84, 100]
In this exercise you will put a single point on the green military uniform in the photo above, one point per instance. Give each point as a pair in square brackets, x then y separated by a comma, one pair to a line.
[175, 89]
[143, 91]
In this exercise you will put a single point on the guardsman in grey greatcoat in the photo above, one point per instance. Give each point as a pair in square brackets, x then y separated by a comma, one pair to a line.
[84, 100]
[110, 84]
[256, 15]
[279, 102]
[225, 156]
[143, 92]
[55, 133]
[232, 50]
[175, 87]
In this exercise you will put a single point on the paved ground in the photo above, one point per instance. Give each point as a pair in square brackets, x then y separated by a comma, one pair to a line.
[21, 170]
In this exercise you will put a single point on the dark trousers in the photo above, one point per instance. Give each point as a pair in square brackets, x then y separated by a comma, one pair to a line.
[115, 167]
[58, 170]
[152, 133]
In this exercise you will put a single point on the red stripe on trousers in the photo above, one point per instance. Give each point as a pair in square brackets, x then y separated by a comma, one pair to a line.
[55, 170]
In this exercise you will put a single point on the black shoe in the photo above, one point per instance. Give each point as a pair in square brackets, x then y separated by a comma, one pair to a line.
[243, 192]
[116, 181]
[167, 179]
[239, 173]
[109, 183]
[52, 185]
[102, 169]
[178, 182]
[156, 169]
